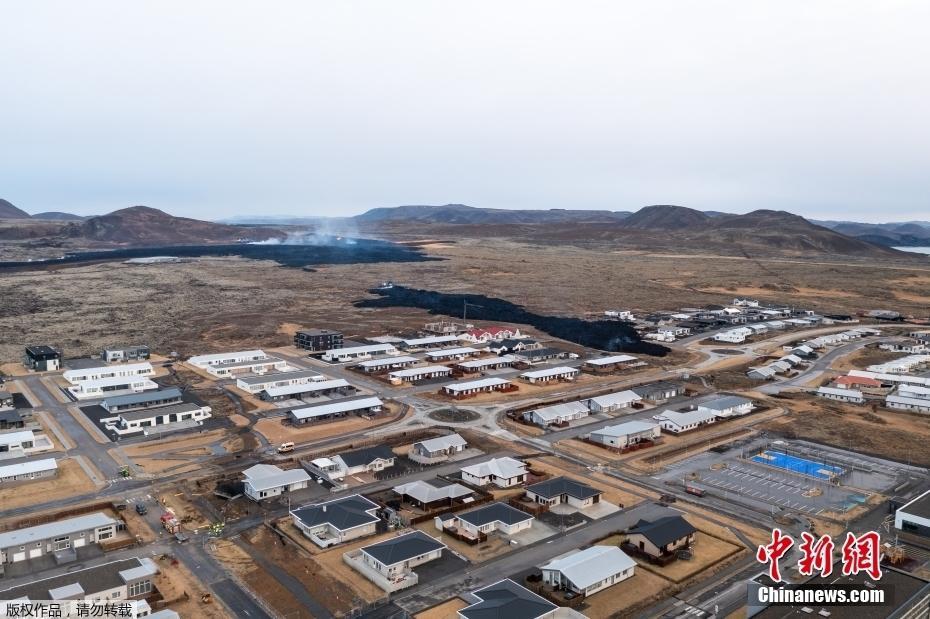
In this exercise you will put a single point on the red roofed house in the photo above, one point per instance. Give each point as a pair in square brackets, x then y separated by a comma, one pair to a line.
[483, 335]
[858, 381]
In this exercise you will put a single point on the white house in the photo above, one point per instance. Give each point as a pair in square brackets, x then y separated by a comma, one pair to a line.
[228, 359]
[156, 418]
[30, 470]
[233, 368]
[439, 448]
[111, 386]
[611, 363]
[619, 314]
[842, 395]
[488, 363]
[906, 403]
[355, 353]
[130, 370]
[32, 542]
[389, 564]
[626, 434]
[413, 375]
[611, 402]
[387, 363]
[362, 406]
[502, 472]
[432, 341]
[550, 374]
[265, 481]
[661, 537]
[115, 583]
[452, 354]
[472, 387]
[588, 571]
[483, 335]
[428, 496]
[487, 519]
[728, 406]
[308, 390]
[734, 336]
[365, 460]
[259, 383]
[557, 414]
[337, 521]
[677, 422]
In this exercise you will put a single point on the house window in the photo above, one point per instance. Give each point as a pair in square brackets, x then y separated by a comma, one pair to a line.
[102, 535]
[140, 588]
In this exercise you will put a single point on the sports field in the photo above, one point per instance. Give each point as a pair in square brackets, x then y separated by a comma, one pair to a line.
[802, 466]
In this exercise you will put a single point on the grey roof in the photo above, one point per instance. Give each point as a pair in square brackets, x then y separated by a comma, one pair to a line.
[428, 493]
[142, 398]
[344, 405]
[624, 429]
[24, 537]
[11, 416]
[268, 476]
[494, 512]
[91, 580]
[343, 514]
[563, 485]
[402, 548]
[645, 390]
[367, 455]
[42, 350]
[148, 413]
[664, 530]
[507, 600]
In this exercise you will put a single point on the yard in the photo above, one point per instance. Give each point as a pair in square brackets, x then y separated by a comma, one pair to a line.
[71, 481]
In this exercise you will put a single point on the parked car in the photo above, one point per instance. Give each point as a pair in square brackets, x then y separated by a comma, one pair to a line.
[141, 509]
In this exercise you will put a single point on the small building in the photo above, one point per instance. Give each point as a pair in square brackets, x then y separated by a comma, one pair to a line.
[853, 396]
[662, 537]
[18, 443]
[6, 399]
[12, 419]
[437, 449]
[502, 472]
[205, 362]
[428, 497]
[624, 435]
[550, 374]
[136, 401]
[512, 345]
[612, 402]
[610, 364]
[487, 519]
[42, 358]
[590, 570]
[389, 564]
[506, 598]
[432, 341]
[60, 535]
[415, 375]
[358, 353]
[233, 368]
[265, 481]
[457, 353]
[337, 521]
[316, 340]
[559, 490]
[857, 382]
[387, 363]
[538, 355]
[366, 460]
[468, 388]
[659, 392]
[734, 336]
[902, 402]
[728, 406]
[557, 414]
[29, 470]
[261, 382]
[484, 335]
[304, 391]
[677, 422]
[485, 364]
[126, 353]
[125, 580]
[361, 406]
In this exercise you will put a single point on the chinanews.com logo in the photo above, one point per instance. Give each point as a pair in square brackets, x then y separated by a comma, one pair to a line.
[858, 554]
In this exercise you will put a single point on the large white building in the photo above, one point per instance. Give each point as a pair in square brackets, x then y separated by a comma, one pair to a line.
[677, 422]
[30, 470]
[550, 374]
[626, 434]
[130, 370]
[611, 402]
[413, 375]
[259, 383]
[358, 353]
[112, 386]
[734, 336]
[841, 395]
[588, 571]
[225, 365]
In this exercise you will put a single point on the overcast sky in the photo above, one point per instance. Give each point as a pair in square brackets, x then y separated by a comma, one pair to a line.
[214, 109]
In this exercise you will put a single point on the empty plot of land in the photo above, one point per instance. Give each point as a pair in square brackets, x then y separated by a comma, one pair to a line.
[71, 481]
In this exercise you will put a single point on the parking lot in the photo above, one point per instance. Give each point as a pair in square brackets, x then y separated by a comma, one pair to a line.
[739, 474]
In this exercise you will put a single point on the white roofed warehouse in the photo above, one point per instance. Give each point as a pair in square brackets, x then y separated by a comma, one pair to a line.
[361, 406]
[470, 388]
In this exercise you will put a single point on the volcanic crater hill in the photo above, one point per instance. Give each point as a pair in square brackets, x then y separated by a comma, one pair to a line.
[666, 228]
[9, 211]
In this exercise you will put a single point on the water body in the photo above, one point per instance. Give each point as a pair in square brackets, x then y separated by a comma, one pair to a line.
[338, 251]
[916, 250]
[606, 335]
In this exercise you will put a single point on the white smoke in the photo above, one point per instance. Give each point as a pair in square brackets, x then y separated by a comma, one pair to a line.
[322, 232]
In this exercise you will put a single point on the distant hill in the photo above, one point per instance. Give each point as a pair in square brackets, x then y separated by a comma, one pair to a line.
[463, 214]
[895, 234]
[58, 216]
[665, 217]
[143, 225]
[8, 211]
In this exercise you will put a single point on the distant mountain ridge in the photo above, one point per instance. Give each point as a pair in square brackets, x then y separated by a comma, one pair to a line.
[894, 234]
[58, 216]
[463, 214]
[9, 211]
